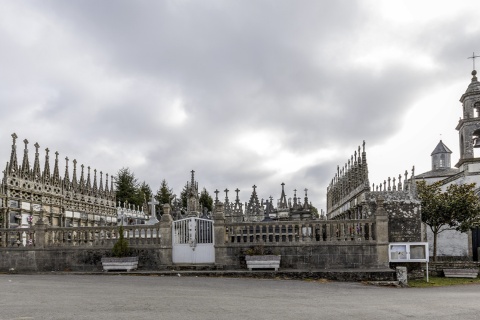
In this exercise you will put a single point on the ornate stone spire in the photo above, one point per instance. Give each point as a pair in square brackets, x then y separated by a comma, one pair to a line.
[237, 208]
[82, 179]
[95, 188]
[106, 184]
[13, 165]
[46, 170]
[74, 176]
[365, 167]
[66, 178]
[283, 198]
[56, 173]
[253, 204]
[295, 204]
[25, 164]
[100, 185]
[227, 207]
[37, 175]
[88, 185]
[305, 201]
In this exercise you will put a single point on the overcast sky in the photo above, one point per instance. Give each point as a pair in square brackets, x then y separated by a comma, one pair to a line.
[242, 92]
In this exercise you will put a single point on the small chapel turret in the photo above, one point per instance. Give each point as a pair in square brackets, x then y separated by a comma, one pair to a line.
[441, 157]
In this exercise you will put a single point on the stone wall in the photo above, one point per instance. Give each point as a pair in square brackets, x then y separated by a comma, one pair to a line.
[313, 256]
[306, 245]
[304, 257]
[62, 259]
[404, 218]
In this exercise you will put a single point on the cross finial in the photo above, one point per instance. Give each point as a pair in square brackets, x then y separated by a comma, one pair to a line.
[216, 194]
[306, 192]
[254, 187]
[14, 136]
[36, 145]
[473, 59]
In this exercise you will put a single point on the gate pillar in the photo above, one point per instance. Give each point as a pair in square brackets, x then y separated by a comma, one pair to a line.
[166, 236]
[219, 229]
[381, 233]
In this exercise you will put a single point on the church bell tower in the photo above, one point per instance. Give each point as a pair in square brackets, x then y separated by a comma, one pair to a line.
[469, 126]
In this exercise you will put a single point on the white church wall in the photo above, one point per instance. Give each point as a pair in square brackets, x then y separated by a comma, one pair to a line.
[449, 243]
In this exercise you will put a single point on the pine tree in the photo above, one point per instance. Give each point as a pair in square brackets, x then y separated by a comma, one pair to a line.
[145, 191]
[206, 201]
[184, 198]
[126, 186]
[164, 195]
[128, 189]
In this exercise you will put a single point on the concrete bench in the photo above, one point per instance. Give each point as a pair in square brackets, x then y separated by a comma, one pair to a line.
[126, 263]
[263, 262]
[460, 273]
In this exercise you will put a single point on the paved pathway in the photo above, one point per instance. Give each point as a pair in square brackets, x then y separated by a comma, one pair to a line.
[65, 296]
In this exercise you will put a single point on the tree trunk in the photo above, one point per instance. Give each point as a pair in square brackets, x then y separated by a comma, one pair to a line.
[435, 234]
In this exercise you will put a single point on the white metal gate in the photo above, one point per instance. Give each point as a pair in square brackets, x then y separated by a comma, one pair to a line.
[193, 241]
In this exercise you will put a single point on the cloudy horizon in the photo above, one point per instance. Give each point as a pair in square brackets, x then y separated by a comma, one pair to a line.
[243, 92]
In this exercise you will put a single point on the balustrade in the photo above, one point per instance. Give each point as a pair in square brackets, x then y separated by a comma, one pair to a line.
[79, 236]
[17, 238]
[301, 231]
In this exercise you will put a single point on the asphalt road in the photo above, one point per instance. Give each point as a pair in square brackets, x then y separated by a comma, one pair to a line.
[67, 296]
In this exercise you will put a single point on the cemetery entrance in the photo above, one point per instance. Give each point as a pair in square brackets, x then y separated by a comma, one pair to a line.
[193, 241]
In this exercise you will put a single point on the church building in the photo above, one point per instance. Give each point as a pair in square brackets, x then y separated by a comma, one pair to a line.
[467, 170]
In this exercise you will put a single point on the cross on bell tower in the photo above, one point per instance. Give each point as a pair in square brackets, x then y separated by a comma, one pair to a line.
[473, 59]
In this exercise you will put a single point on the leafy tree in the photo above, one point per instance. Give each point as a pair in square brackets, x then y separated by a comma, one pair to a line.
[164, 195]
[206, 200]
[456, 209]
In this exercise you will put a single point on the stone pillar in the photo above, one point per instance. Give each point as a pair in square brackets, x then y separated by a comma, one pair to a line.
[40, 236]
[381, 232]
[166, 236]
[402, 278]
[219, 235]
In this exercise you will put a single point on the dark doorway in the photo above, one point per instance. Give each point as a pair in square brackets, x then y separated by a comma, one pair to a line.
[475, 243]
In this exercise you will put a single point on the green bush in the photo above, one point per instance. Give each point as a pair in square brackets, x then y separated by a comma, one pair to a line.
[120, 248]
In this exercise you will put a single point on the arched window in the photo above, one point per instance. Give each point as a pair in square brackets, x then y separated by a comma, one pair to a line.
[442, 161]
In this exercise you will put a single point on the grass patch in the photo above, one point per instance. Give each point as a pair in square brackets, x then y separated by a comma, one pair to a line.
[441, 282]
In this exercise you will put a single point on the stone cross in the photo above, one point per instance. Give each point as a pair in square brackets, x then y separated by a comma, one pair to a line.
[473, 58]
[216, 195]
[153, 203]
